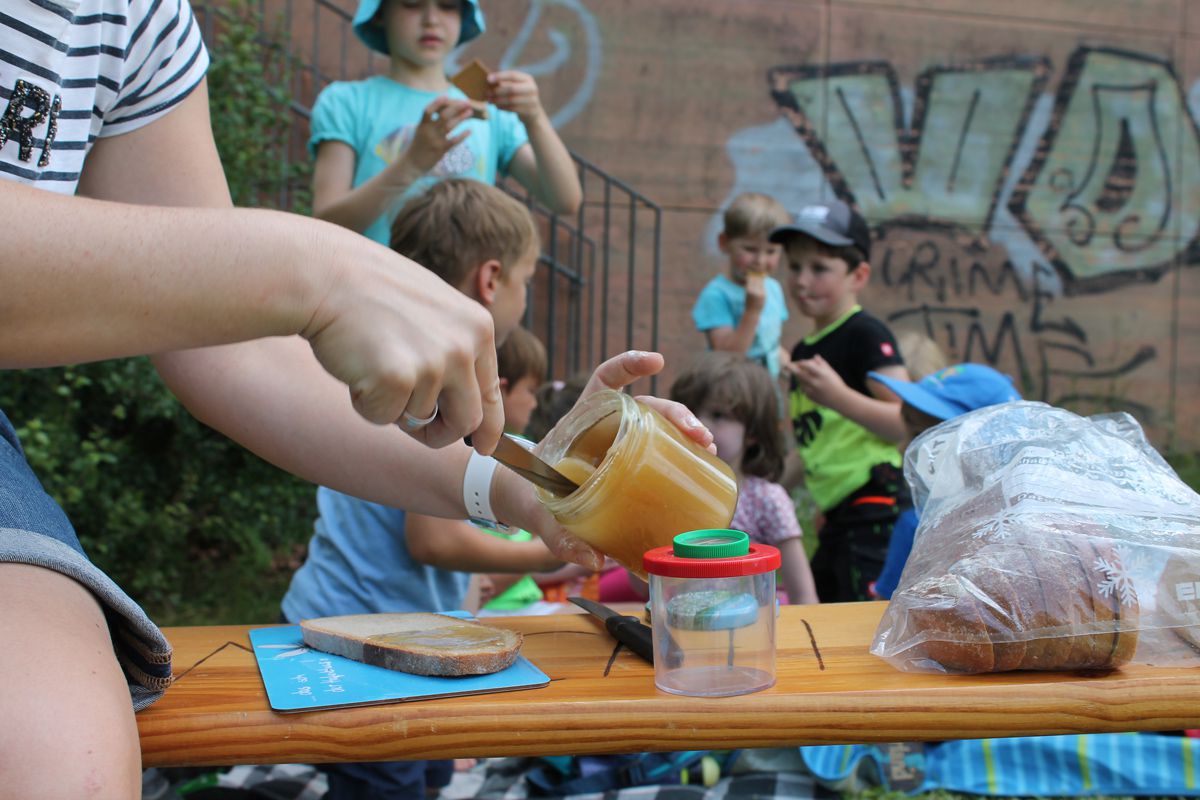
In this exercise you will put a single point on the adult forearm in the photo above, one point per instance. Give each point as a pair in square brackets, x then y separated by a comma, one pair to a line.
[149, 279]
[272, 385]
[557, 178]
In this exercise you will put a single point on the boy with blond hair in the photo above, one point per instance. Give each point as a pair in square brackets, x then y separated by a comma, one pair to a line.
[521, 365]
[744, 311]
[845, 421]
[369, 558]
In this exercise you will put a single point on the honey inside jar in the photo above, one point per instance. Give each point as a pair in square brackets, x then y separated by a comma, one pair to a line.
[641, 480]
[575, 469]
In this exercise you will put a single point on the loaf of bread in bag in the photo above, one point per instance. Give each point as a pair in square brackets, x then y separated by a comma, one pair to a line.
[1035, 599]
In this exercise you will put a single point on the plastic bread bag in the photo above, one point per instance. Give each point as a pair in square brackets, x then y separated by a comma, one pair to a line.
[1046, 541]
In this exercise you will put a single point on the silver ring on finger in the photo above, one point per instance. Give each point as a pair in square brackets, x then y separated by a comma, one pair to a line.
[411, 422]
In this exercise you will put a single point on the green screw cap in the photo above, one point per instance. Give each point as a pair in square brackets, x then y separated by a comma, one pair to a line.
[711, 543]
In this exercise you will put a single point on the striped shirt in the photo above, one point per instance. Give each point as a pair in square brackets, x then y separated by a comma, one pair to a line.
[74, 70]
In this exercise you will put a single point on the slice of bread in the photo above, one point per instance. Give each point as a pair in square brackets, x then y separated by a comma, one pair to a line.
[472, 80]
[417, 642]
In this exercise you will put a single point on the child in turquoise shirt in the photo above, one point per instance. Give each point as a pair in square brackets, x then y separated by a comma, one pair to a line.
[379, 141]
[744, 311]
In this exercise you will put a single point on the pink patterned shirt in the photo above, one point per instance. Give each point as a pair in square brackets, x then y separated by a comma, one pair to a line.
[765, 512]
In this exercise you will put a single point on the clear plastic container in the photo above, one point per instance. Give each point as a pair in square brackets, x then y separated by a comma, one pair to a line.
[641, 481]
[712, 608]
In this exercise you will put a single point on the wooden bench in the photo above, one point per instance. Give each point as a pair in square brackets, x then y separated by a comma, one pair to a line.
[830, 690]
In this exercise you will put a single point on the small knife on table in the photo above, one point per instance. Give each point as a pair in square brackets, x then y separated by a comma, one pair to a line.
[629, 631]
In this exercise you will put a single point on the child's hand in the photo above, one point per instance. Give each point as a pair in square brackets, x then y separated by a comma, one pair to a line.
[434, 135]
[561, 574]
[818, 380]
[487, 588]
[756, 290]
[517, 92]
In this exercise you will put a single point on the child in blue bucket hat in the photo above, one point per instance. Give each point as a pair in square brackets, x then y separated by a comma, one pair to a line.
[943, 395]
[366, 27]
[379, 141]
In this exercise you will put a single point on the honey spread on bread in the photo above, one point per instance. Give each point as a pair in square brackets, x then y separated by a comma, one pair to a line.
[446, 638]
[420, 643]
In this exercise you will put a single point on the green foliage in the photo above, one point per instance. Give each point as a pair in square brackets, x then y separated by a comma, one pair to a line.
[1187, 466]
[250, 99]
[160, 502]
[191, 525]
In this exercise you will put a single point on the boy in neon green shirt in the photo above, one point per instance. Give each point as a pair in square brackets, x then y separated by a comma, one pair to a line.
[846, 424]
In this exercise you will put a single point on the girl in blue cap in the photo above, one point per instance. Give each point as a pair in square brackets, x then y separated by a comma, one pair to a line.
[379, 141]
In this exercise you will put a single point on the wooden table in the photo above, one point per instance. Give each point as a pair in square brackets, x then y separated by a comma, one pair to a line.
[829, 690]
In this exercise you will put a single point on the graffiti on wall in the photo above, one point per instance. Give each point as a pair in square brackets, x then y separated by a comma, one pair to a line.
[1003, 213]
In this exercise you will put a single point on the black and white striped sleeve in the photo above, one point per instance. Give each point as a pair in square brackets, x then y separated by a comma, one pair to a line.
[164, 60]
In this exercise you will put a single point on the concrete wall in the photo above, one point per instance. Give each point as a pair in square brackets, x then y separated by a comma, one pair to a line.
[1031, 167]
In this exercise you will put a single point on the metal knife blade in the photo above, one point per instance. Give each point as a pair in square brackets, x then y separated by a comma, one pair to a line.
[629, 631]
[513, 454]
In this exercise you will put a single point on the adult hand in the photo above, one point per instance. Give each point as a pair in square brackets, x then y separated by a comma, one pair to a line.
[434, 135]
[818, 380]
[405, 341]
[512, 90]
[517, 494]
[632, 365]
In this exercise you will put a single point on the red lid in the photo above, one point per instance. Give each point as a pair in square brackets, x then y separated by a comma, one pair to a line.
[663, 561]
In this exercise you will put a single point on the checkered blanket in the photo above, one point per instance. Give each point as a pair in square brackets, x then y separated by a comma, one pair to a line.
[503, 779]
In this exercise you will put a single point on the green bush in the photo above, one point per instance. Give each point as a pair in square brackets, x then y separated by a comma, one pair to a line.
[191, 525]
[251, 113]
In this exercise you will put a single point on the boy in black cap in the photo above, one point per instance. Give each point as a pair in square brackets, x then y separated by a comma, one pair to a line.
[846, 424]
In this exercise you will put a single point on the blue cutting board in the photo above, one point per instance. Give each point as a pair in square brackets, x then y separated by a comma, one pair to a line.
[298, 678]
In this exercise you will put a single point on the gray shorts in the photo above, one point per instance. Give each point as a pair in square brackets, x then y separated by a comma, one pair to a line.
[34, 530]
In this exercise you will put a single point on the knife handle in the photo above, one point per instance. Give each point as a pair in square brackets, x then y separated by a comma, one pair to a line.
[633, 634]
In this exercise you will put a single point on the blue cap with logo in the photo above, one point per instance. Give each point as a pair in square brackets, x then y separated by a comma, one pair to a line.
[833, 223]
[954, 390]
[374, 36]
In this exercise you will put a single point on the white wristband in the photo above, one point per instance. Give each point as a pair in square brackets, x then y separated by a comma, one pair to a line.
[477, 488]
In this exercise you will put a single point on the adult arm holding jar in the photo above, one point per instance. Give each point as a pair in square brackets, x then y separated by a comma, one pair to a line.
[258, 321]
[123, 270]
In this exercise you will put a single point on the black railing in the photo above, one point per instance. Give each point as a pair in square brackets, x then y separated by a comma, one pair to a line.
[598, 293]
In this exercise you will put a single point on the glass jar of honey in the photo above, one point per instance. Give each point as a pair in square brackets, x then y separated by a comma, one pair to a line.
[641, 480]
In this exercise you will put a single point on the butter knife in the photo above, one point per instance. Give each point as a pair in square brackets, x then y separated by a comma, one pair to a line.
[514, 454]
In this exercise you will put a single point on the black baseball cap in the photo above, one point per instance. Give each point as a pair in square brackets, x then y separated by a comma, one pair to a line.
[833, 223]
